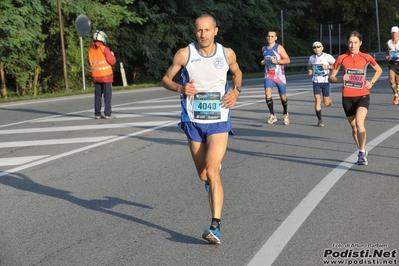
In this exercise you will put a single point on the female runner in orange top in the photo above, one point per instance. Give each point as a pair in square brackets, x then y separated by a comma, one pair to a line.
[356, 89]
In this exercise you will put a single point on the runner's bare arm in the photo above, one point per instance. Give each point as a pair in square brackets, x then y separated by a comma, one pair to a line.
[230, 98]
[179, 60]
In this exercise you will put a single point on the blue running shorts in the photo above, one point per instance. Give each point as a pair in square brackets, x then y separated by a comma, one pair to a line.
[322, 88]
[199, 132]
[281, 86]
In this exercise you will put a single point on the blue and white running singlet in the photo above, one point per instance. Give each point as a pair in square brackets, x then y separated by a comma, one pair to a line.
[274, 72]
[210, 79]
[320, 75]
[393, 50]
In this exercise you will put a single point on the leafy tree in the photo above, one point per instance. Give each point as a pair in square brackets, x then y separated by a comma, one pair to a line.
[169, 26]
[21, 43]
[30, 42]
[248, 33]
[104, 15]
[145, 34]
[148, 49]
[352, 15]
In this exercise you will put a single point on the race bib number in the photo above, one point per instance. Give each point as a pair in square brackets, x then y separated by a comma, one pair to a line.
[356, 78]
[394, 55]
[269, 64]
[318, 70]
[207, 106]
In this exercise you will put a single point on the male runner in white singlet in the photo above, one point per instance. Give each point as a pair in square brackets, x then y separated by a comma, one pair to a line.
[393, 57]
[206, 101]
[319, 66]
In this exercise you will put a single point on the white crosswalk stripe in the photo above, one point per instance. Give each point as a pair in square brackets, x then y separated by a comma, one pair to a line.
[20, 160]
[13, 144]
[77, 118]
[75, 128]
[20, 138]
[49, 132]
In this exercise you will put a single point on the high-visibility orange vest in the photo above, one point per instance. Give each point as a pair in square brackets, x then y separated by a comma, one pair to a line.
[99, 66]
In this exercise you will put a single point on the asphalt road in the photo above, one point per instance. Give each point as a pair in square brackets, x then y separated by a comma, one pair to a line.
[80, 191]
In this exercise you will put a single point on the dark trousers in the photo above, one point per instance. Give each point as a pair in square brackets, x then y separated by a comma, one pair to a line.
[100, 89]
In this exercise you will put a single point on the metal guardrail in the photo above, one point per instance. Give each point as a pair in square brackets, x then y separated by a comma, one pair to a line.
[302, 61]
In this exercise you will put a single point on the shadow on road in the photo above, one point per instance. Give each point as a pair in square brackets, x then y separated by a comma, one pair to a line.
[22, 182]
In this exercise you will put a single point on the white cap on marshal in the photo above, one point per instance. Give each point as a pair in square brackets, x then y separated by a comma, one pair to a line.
[317, 44]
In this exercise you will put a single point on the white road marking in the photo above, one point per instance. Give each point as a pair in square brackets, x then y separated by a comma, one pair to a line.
[279, 239]
[20, 160]
[75, 128]
[275, 244]
[146, 107]
[65, 118]
[52, 158]
[29, 143]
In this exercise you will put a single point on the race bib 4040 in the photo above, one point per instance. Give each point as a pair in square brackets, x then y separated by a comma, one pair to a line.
[207, 105]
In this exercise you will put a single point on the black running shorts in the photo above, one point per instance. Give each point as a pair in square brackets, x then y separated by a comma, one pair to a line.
[350, 104]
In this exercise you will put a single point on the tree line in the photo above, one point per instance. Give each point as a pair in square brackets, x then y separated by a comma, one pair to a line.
[145, 34]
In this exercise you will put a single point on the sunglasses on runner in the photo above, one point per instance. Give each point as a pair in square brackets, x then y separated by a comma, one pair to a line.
[314, 47]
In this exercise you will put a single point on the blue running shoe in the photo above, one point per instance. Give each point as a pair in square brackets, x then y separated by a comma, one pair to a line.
[207, 186]
[362, 158]
[212, 235]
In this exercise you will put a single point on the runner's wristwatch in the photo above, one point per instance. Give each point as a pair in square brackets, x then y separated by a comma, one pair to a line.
[237, 88]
